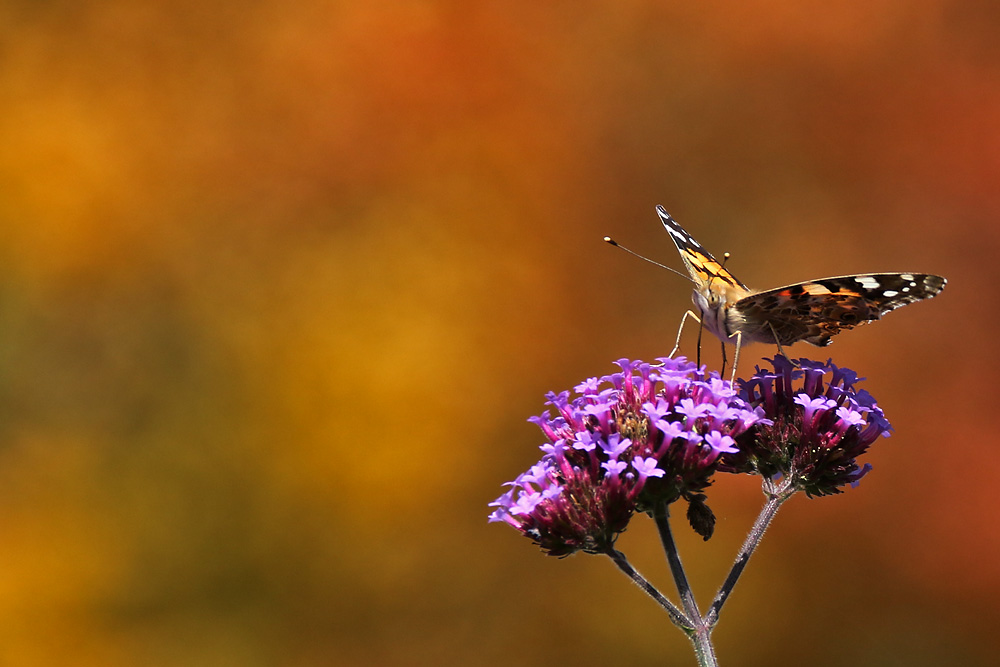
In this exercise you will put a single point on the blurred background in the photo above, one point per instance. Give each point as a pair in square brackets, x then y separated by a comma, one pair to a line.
[280, 283]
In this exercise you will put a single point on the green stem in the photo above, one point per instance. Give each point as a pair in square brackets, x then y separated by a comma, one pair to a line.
[776, 494]
[661, 514]
[700, 633]
[703, 649]
[677, 617]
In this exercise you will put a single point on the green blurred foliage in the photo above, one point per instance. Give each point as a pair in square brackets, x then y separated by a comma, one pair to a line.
[280, 282]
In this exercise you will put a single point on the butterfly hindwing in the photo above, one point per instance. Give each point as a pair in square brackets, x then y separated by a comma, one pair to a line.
[816, 310]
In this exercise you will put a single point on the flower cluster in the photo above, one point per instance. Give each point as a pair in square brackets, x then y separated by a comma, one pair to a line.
[648, 435]
[815, 429]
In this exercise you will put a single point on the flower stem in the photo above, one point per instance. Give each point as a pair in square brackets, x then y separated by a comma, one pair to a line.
[776, 494]
[661, 514]
[703, 649]
[699, 632]
[677, 617]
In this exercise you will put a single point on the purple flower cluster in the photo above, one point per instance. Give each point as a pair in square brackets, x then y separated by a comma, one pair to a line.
[816, 427]
[647, 435]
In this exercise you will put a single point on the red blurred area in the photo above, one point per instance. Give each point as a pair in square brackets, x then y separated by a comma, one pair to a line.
[281, 282]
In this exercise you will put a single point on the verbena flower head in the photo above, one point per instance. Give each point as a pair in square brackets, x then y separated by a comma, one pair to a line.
[816, 426]
[646, 435]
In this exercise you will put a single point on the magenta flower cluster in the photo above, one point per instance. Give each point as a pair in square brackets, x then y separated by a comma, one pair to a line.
[816, 428]
[647, 435]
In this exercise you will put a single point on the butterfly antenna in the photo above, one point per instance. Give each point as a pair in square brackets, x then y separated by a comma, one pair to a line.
[722, 265]
[608, 239]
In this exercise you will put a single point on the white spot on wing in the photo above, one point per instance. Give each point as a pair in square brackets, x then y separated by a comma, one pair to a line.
[677, 235]
[867, 282]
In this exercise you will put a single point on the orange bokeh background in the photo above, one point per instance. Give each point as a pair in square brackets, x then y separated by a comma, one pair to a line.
[281, 282]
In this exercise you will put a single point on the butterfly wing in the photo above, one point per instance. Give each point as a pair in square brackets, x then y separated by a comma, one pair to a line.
[817, 310]
[699, 262]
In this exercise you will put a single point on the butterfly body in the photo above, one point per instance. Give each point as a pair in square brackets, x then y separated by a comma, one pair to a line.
[813, 311]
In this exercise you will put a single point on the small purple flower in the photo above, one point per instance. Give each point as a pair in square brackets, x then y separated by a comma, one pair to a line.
[614, 468]
[646, 467]
[690, 410]
[670, 430]
[810, 405]
[657, 411]
[585, 441]
[813, 428]
[526, 502]
[721, 443]
[850, 417]
[553, 448]
[672, 421]
[615, 446]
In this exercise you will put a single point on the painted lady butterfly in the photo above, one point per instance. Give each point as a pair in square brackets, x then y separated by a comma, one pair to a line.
[813, 311]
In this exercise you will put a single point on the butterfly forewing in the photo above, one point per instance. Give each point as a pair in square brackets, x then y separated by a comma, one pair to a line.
[700, 263]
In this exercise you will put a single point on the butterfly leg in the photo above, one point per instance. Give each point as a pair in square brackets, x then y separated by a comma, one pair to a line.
[680, 330]
[777, 342]
[738, 344]
[736, 354]
[701, 328]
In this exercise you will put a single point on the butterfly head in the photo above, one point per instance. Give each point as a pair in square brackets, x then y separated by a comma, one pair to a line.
[713, 298]
[716, 294]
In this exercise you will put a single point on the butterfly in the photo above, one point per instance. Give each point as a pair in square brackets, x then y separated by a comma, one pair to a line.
[813, 311]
